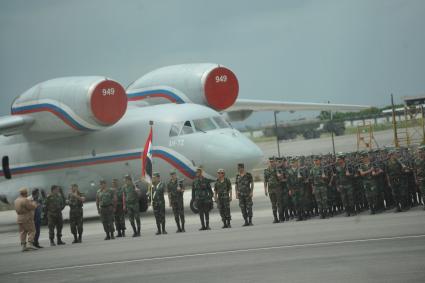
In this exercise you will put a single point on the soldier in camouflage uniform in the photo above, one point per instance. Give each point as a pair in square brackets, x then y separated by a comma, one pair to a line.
[344, 175]
[369, 173]
[296, 188]
[394, 176]
[55, 203]
[202, 195]
[175, 192]
[119, 215]
[106, 202]
[75, 202]
[273, 189]
[158, 203]
[319, 182]
[223, 197]
[420, 171]
[285, 202]
[132, 204]
[244, 191]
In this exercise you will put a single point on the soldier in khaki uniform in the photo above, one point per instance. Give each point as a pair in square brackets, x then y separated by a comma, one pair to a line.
[25, 209]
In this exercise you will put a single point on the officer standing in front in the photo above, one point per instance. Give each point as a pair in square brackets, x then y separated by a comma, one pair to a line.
[158, 202]
[244, 192]
[106, 202]
[132, 204]
[273, 189]
[55, 203]
[25, 211]
[202, 195]
[75, 202]
[175, 192]
[120, 209]
[223, 197]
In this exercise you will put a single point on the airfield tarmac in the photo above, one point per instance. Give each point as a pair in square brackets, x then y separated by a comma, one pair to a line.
[387, 247]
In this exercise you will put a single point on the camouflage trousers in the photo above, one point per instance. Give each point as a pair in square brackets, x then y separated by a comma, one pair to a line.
[371, 195]
[133, 213]
[107, 218]
[76, 220]
[159, 211]
[400, 192]
[55, 220]
[119, 219]
[224, 208]
[245, 203]
[347, 195]
[321, 196]
[178, 210]
[276, 200]
[298, 198]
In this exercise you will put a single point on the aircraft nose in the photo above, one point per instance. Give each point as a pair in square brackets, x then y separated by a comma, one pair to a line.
[226, 151]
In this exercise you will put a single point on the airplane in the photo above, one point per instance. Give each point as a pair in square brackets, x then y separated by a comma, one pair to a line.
[83, 129]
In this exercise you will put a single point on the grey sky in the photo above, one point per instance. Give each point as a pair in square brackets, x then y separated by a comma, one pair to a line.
[355, 51]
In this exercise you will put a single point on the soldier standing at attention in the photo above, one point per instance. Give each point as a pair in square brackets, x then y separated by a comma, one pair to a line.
[296, 188]
[132, 204]
[223, 197]
[394, 176]
[75, 202]
[120, 209]
[273, 188]
[35, 196]
[158, 202]
[344, 180]
[244, 191]
[319, 183]
[175, 192]
[55, 203]
[25, 210]
[106, 202]
[420, 171]
[202, 195]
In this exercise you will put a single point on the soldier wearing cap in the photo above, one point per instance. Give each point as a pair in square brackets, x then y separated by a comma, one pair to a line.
[55, 203]
[244, 187]
[344, 180]
[158, 202]
[394, 177]
[25, 210]
[420, 171]
[175, 190]
[106, 203]
[223, 197]
[75, 201]
[131, 194]
[319, 181]
[202, 195]
[273, 189]
[119, 216]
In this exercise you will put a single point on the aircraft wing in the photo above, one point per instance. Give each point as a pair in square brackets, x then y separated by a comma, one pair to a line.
[269, 105]
[15, 124]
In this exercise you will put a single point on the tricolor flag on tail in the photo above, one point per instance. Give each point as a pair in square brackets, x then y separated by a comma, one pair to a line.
[147, 158]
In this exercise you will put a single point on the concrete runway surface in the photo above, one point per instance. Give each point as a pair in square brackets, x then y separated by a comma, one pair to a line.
[387, 247]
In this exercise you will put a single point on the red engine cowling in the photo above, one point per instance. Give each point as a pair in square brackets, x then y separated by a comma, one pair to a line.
[208, 84]
[73, 104]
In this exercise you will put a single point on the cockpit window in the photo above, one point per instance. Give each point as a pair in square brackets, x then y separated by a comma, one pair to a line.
[175, 129]
[204, 125]
[187, 128]
[221, 123]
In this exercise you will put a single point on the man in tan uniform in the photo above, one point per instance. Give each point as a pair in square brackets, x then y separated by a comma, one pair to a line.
[25, 209]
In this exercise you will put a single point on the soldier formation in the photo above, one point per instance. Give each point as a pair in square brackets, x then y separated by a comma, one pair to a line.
[378, 180]
[299, 187]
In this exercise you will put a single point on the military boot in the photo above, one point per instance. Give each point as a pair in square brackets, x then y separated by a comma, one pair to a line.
[163, 227]
[119, 235]
[250, 221]
[134, 230]
[224, 224]
[37, 244]
[183, 230]
[24, 246]
[202, 223]
[75, 239]
[138, 230]
[228, 224]
[246, 222]
[52, 242]
[207, 225]
[80, 236]
[275, 220]
[112, 235]
[60, 242]
[123, 233]
[108, 237]
[158, 226]
[31, 247]
[179, 229]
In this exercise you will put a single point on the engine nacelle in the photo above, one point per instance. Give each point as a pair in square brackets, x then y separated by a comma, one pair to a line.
[208, 84]
[72, 104]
